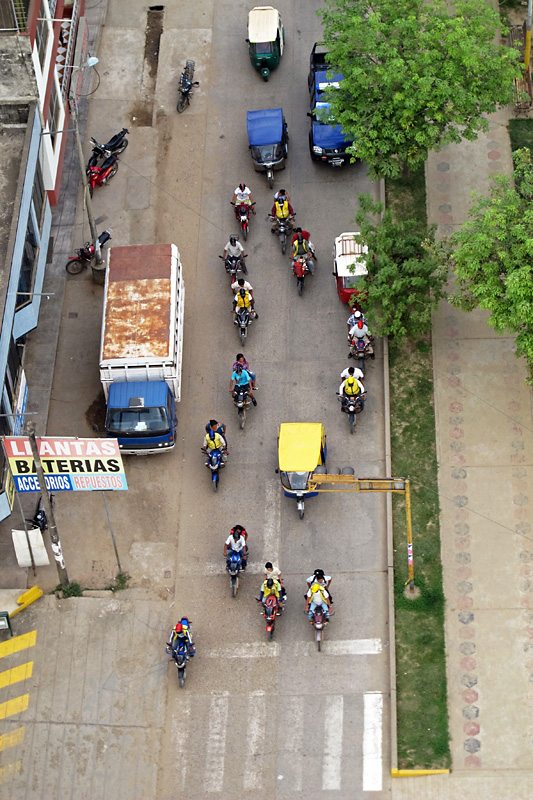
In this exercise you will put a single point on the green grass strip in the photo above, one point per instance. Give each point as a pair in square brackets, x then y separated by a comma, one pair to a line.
[423, 737]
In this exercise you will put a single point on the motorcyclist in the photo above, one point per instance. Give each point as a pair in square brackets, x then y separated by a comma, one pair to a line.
[354, 318]
[360, 331]
[281, 194]
[240, 377]
[281, 211]
[320, 577]
[301, 251]
[352, 372]
[181, 634]
[243, 299]
[240, 283]
[352, 387]
[235, 249]
[271, 586]
[217, 427]
[317, 595]
[271, 571]
[240, 359]
[236, 543]
[307, 236]
[242, 196]
[215, 441]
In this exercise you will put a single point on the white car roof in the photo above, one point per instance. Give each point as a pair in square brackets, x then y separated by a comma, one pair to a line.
[263, 24]
[349, 252]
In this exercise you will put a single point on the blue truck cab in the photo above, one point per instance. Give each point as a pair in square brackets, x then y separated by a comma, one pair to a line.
[327, 142]
[142, 416]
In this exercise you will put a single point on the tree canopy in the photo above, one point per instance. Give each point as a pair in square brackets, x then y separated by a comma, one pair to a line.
[417, 75]
[405, 274]
[493, 256]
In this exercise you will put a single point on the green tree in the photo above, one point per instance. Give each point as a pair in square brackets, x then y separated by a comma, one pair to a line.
[493, 256]
[406, 274]
[417, 75]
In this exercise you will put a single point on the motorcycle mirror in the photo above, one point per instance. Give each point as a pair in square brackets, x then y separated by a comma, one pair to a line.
[276, 471]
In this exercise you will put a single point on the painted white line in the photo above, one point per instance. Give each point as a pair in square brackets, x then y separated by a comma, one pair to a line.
[271, 530]
[339, 647]
[294, 743]
[216, 742]
[332, 761]
[255, 740]
[372, 739]
[179, 724]
[246, 650]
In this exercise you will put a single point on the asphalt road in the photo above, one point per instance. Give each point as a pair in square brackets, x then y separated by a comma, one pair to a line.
[254, 716]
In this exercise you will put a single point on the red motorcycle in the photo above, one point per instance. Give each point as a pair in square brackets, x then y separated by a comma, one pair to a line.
[272, 608]
[85, 255]
[101, 175]
[242, 212]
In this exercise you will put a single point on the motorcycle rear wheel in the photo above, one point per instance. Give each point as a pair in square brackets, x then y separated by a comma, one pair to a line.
[215, 484]
[300, 287]
[283, 243]
[270, 176]
[182, 102]
[74, 266]
[270, 635]
[361, 365]
[122, 147]
[352, 425]
[301, 513]
[234, 587]
[319, 640]
[242, 418]
[112, 172]
[242, 333]
[181, 678]
[245, 235]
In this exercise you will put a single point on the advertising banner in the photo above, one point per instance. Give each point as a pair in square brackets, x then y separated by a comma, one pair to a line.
[69, 464]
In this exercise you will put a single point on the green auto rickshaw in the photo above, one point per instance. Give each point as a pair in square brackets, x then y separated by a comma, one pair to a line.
[266, 38]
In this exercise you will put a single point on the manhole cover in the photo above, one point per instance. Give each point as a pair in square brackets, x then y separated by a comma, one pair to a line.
[167, 573]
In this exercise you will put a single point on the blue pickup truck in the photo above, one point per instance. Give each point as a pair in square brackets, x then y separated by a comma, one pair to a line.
[326, 142]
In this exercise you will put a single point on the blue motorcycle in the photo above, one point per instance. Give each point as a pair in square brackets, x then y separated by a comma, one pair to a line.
[234, 567]
[179, 656]
[215, 463]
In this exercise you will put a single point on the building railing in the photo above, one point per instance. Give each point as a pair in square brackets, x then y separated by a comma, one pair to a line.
[14, 16]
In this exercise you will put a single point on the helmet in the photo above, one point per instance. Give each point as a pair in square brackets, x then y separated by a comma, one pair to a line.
[178, 628]
[270, 583]
[242, 292]
[300, 238]
[212, 435]
[236, 533]
[242, 186]
[357, 314]
[350, 381]
[233, 240]
[360, 323]
[319, 573]
[185, 622]
[316, 587]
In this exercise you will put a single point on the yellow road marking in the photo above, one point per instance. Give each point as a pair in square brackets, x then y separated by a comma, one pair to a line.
[11, 739]
[16, 674]
[15, 706]
[9, 771]
[17, 643]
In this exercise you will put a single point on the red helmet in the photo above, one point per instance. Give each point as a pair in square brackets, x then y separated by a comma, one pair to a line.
[242, 186]
[360, 323]
[178, 628]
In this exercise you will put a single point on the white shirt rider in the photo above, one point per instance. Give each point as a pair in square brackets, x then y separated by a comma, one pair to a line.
[246, 285]
[359, 333]
[242, 195]
[235, 544]
[236, 250]
[323, 581]
[357, 373]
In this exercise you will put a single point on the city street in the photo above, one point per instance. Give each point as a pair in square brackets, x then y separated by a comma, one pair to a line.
[254, 716]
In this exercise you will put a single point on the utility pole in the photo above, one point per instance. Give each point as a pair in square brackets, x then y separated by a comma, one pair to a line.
[527, 53]
[52, 528]
[85, 184]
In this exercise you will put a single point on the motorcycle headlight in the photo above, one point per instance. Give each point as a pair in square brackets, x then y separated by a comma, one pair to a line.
[317, 150]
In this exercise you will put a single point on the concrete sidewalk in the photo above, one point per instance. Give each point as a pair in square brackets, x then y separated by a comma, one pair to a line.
[485, 455]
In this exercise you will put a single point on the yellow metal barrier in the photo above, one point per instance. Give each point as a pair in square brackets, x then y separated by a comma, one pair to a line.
[27, 598]
[409, 773]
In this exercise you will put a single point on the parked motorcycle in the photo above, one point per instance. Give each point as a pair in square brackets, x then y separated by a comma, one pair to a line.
[301, 268]
[234, 265]
[186, 84]
[361, 350]
[234, 567]
[243, 215]
[85, 255]
[283, 229]
[352, 406]
[243, 318]
[319, 623]
[100, 175]
[271, 609]
[117, 144]
[241, 401]
[215, 462]
[39, 519]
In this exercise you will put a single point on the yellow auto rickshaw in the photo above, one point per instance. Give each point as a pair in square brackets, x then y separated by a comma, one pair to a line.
[302, 452]
[266, 38]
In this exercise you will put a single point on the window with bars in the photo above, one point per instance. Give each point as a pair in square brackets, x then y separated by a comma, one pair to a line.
[41, 34]
[27, 267]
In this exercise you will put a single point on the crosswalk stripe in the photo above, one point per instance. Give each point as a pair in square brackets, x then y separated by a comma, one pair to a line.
[216, 742]
[11, 739]
[7, 772]
[293, 735]
[372, 742]
[332, 761]
[330, 647]
[246, 650]
[17, 643]
[14, 706]
[255, 739]
[16, 674]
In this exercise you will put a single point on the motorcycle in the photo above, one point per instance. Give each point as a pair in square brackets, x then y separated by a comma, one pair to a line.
[242, 212]
[39, 519]
[319, 622]
[243, 318]
[101, 175]
[234, 567]
[352, 405]
[117, 144]
[85, 255]
[234, 265]
[301, 268]
[361, 350]
[271, 609]
[282, 229]
[215, 462]
[241, 400]
[186, 84]
[180, 656]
